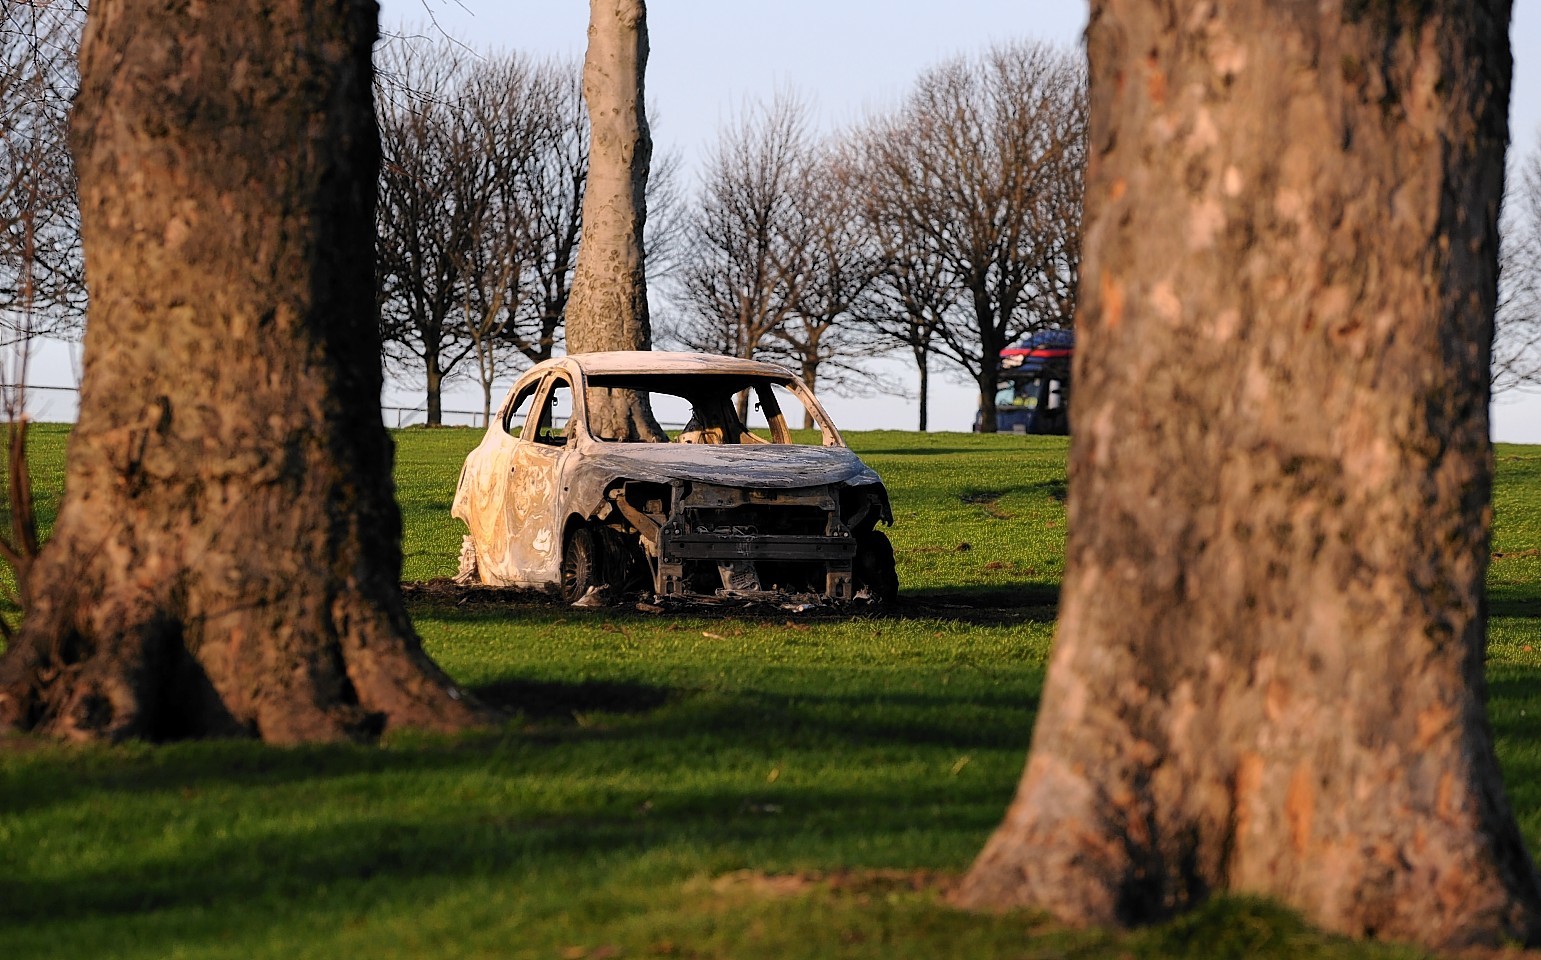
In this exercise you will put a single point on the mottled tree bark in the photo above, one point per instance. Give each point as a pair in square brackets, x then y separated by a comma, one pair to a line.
[1268, 675]
[226, 558]
[608, 308]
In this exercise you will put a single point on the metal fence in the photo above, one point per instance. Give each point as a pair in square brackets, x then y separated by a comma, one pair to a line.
[57, 404]
[407, 416]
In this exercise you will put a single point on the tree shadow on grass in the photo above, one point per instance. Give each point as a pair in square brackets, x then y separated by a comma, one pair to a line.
[625, 718]
[1524, 608]
[369, 855]
[544, 700]
[982, 605]
[518, 803]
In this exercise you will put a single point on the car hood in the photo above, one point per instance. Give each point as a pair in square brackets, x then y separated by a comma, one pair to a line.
[775, 465]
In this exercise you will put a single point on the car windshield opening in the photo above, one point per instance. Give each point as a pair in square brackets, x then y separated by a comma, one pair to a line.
[718, 409]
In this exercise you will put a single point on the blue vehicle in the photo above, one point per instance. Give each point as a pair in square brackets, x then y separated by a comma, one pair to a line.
[1033, 393]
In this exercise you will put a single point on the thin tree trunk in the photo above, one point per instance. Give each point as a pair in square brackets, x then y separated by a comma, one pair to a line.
[486, 401]
[227, 556]
[1268, 675]
[811, 378]
[988, 375]
[987, 419]
[433, 404]
[608, 306]
[923, 364]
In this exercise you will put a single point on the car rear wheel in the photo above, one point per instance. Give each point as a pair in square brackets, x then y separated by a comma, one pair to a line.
[874, 567]
[583, 564]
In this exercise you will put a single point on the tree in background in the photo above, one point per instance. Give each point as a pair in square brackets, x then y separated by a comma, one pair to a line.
[549, 187]
[42, 289]
[978, 178]
[487, 160]
[912, 294]
[1517, 336]
[1268, 672]
[741, 279]
[449, 125]
[836, 265]
[227, 556]
[40, 264]
[608, 309]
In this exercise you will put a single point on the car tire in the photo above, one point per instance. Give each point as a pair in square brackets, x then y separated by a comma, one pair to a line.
[874, 567]
[583, 563]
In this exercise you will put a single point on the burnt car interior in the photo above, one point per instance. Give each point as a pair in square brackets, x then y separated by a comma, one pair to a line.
[551, 428]
[708, 407]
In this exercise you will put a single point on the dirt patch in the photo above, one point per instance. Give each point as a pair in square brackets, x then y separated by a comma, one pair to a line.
[980, 497]
[856, 882]
[989, 501]
[447, 591]
[1517, 554]
[990, 606]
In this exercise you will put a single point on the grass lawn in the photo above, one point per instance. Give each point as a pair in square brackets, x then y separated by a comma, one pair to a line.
[708, 786]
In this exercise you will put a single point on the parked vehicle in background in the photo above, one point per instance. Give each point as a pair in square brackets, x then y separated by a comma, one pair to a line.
[732, 506]
[1034, 391]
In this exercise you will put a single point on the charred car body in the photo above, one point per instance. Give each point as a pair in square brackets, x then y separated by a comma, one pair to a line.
[731, 507]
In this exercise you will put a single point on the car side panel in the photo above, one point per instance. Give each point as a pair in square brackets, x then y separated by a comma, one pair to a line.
[479, 501]
[483, 495]
[533, 514]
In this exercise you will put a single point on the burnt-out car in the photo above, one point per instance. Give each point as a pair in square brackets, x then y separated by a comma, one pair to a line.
[731, 506]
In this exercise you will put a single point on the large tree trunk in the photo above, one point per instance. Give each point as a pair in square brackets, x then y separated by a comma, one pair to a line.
[1268, 675]
[227, 555]
[608, 307]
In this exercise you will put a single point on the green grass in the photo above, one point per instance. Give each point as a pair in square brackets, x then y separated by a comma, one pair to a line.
[700, 786]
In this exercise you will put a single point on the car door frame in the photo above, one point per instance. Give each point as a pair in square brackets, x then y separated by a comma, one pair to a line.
[536, 506]
[482, 493]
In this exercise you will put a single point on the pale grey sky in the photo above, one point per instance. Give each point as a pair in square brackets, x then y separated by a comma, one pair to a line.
[709, 56]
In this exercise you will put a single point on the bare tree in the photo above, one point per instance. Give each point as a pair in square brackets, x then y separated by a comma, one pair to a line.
[436, 194]
[548, 188]
[837, 266]
[487, 163]
[40, 260]
[978, 179]
[741, 279]
[913, 293]
[517, 123]
[227, 558]
[1517, 334]
[1268, 672]
[42, 290]
[910, 301]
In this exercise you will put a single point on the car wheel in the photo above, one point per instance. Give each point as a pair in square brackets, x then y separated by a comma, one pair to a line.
[874, 567]
[625, 564]
[583, 564]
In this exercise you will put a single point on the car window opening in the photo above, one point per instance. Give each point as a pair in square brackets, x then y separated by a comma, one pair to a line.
[554, 415]
[709, 409]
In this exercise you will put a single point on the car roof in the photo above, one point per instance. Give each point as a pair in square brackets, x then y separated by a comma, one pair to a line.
[648, 362]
